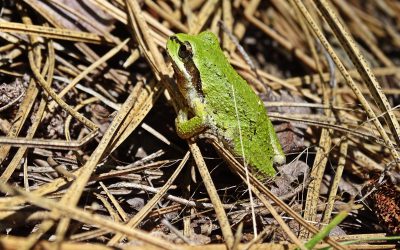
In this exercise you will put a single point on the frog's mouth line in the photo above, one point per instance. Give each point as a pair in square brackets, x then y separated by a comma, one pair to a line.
[185, 53]
[195, 76]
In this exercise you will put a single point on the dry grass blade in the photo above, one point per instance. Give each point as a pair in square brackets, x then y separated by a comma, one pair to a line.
[42, 82]
[64, 34]
[283, 42]
[167, 16]
[351, 83]
[325, 141]
[39, 113]
[317, 172]
[114, 201]
[80, 215]
[27, 102]
[212, 192]
[203, 16]
[134, 221]
[297, 81]
[335, 183]
[74, 192]
[47, 143]
[361, 64]
[260, 190]
[146, 97]
[141, 31]
[89, 69]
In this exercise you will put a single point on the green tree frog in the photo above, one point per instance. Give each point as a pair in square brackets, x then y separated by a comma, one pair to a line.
[220, 103]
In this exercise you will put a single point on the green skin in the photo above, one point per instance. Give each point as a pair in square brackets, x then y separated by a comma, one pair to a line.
[212, 88]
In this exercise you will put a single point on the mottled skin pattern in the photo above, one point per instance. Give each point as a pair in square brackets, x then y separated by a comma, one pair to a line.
[213, 107]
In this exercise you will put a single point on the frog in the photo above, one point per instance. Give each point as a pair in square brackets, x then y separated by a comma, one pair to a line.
[220, 104]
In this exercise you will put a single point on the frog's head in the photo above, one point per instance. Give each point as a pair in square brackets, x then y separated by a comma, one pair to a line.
[186, 53]
[180, 52]
[184, 49]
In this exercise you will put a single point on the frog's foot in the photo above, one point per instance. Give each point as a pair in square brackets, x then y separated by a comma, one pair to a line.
[187, 128]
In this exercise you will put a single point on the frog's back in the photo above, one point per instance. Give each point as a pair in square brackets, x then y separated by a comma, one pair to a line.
[228, 94]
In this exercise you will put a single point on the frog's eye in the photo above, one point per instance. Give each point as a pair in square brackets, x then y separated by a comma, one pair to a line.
[185, 50]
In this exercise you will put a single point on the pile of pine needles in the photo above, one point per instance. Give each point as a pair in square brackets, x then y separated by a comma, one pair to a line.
[90, 158]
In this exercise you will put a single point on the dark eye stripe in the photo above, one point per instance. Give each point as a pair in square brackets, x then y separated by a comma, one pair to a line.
[185, 51]
[186, 54]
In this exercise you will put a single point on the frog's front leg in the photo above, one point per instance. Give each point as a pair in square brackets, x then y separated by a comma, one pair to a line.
[187, 128]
